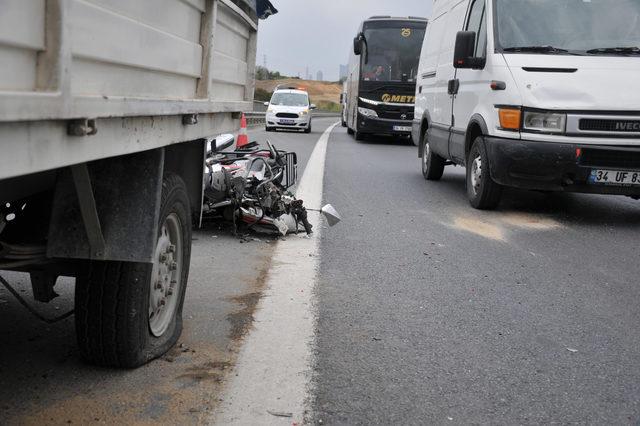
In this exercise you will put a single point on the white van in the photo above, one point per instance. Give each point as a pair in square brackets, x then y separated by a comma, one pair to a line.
[533, 94]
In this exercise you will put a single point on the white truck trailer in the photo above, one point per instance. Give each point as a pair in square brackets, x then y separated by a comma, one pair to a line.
[104, 110]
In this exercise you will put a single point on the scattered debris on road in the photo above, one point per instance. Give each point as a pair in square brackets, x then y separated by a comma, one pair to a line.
[279, 413]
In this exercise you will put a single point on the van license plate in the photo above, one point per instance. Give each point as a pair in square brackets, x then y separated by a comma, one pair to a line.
[614, 177]
[287, 122]
[401, 128]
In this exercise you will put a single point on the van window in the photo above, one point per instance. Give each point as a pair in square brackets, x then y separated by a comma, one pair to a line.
[477, 23]
[578, 26]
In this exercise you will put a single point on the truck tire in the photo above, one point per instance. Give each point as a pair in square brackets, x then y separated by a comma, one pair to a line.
[482, 191]
[432, 163]
[130, 313]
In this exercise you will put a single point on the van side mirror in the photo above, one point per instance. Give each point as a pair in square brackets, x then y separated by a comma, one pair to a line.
[464, 51]
[266, 104]
[312, 106]
[357, 45]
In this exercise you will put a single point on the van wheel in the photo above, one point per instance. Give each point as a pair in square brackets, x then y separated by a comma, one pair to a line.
[482, 191]
[432, 163]
[359, 135]
[349, 131]
[130, 313]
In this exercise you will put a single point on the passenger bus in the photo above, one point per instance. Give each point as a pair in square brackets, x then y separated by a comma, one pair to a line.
[383, 68]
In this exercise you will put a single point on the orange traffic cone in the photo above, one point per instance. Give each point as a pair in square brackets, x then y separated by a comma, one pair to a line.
[243, 139]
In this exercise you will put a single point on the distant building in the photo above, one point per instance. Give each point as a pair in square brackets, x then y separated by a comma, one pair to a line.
[344, 71]
[320, 76]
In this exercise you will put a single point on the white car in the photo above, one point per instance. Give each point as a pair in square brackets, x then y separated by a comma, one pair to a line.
[289, 109]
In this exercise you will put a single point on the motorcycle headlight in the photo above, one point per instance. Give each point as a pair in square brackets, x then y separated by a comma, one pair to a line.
[367, 112]
[544, 121]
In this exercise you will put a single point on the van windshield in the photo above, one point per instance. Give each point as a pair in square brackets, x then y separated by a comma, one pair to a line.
[393, 51]
[568, 26]
[290, 99]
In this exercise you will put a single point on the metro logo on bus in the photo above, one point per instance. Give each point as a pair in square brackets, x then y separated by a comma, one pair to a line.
[398, 99]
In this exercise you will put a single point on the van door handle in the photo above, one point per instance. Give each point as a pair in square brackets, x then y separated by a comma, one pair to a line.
[453, 86]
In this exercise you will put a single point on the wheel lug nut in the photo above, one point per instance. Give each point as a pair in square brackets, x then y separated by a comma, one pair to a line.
[173, 266]
[170, 292]
[171, 248]
[159, 286]
[162, 302]
[163, 258]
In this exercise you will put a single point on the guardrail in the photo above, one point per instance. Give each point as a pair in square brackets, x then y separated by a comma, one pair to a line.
[255, 119]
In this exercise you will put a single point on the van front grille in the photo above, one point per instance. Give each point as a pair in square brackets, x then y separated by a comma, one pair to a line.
[614, 125]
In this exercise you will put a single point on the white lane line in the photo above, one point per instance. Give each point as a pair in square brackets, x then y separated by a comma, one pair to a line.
[274, 368]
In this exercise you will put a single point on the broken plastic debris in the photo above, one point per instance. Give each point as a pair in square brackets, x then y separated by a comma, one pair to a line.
[572, 350]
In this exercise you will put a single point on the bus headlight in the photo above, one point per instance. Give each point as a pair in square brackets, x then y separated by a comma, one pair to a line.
[367, 112]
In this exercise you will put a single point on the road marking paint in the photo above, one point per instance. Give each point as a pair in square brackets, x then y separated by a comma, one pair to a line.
[275, 365]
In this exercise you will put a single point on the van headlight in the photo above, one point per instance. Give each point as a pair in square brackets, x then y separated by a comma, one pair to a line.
[304, 112]
[367, 112]
[544, 121]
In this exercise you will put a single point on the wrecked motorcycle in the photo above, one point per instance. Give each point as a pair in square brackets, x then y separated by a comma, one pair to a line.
[252, 186]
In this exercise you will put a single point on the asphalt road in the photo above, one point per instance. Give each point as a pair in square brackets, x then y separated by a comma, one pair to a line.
[43, 380]
[431, 312]
[428, 312]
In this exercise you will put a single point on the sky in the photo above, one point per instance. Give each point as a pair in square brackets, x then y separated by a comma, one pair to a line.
[319, 33]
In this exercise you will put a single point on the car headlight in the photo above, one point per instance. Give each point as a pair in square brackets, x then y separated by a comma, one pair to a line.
[544, 121]
[367, 112]
[269, 111]
[304, 112]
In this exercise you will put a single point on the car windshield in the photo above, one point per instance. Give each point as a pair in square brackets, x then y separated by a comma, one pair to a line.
[568, 26]
[393, 51]
[290, 99]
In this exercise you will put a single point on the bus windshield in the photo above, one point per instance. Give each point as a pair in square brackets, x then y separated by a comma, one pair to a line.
[392, 51]
[569, 26]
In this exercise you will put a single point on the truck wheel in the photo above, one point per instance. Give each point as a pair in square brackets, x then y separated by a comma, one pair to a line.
[483, 192]
[432, 163]
[130, 313]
